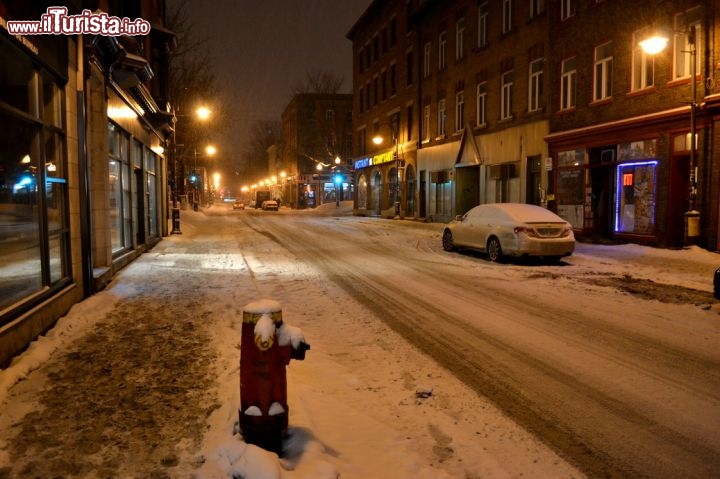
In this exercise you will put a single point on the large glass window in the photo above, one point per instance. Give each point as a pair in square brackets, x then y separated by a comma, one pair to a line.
[34, 233]
[120, 188]
[635, 208]
[151, 194]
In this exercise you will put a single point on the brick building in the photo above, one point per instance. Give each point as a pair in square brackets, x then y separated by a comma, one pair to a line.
[385, 109]
[592, 127]
[316, 132]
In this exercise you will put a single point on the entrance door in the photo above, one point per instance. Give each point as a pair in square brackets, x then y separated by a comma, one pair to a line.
[601, 200]
[679, 200]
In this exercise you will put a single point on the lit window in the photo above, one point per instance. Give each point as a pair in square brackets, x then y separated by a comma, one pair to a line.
[643, 64]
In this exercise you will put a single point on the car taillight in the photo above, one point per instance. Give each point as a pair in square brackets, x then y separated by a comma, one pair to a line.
[522, 229]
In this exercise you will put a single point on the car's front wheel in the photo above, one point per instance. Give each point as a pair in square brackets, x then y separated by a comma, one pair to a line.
[447, 241]
[494, 250]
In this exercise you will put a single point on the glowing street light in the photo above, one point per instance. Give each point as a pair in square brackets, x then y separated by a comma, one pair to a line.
[652, 46]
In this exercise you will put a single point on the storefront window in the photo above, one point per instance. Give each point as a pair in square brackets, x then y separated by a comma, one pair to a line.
[441, 187]
[635, 208]
[33, 181]
[152, 203]
[569, 195]
[119, 188]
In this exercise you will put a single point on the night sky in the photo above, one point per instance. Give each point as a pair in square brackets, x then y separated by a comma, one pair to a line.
[263, 48]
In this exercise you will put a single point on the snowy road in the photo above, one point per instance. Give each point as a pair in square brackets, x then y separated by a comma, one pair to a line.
[604, 366]
[618, 385]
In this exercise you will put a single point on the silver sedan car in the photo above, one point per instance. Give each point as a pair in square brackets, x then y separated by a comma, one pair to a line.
[510, 229]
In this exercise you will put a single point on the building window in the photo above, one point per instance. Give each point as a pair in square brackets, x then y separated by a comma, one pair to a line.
[568, 84]
[459, 110]
[441, 118]
[481, 104]
[34, 191]
[383, 84]
[367, 95]
[120, 189]
[567, 9]
[442, 48]
[361, 99]
[393, 79]
[506, 97]
[537, 7]
[426, 123]
[482, 38]
[393, 31]
[330, 115]
[409, 68]
[426, 60]
[410, 125]
[362, 135]
[376, 90]
[683, 46]
[602, 77]
[460, 39]
[643, 64]
[535, 88]
[507, 20]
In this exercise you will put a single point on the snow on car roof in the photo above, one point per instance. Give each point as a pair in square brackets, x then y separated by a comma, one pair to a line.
[525, 212]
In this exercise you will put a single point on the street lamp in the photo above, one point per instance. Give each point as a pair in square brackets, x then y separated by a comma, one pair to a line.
[195, 178]
[203, 114]
[655, 45]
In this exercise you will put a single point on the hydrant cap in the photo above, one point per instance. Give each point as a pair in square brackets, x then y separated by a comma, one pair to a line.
[254, 311]
[263, 306]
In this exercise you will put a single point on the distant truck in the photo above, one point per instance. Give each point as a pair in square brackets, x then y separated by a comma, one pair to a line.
[259, 196]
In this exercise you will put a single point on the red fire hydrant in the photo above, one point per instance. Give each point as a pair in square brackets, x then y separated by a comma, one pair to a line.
[266, 348]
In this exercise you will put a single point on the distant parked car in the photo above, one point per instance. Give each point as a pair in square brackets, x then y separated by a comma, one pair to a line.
[238, 205]
[270, 205]
[510, 229]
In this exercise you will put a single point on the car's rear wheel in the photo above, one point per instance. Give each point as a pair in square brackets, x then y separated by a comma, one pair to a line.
[447, 241]
[494, 250]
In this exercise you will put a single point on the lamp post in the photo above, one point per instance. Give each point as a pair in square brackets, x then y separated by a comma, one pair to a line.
[203, 114]
[652, 46]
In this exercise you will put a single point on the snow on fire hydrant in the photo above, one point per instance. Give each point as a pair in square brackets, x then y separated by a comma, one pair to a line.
[267, 345]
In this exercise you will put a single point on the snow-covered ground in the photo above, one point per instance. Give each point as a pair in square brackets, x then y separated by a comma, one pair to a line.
[363, 404]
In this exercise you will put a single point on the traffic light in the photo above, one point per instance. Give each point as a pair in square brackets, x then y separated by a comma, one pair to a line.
[193, 177]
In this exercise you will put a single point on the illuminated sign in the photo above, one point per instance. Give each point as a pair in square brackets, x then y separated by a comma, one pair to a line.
[386, 157]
